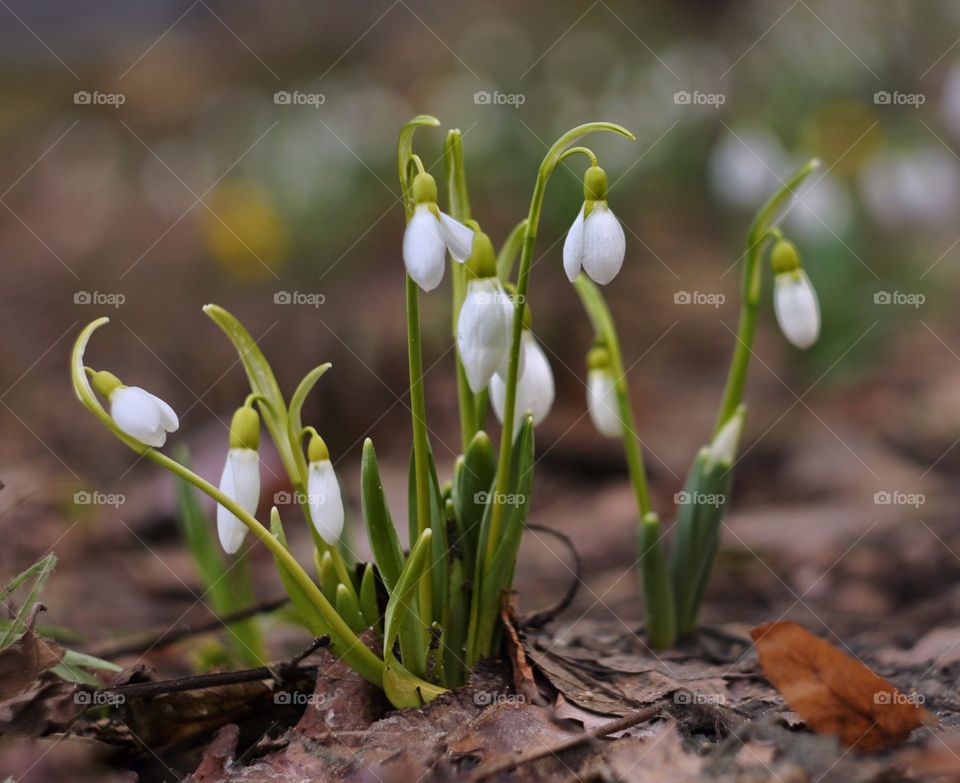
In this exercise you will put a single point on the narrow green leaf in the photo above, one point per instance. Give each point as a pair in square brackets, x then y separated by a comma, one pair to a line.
[381, 532]
[294, 422]
[348, 608]
[39, 572]
[368, 597]
[660, 613]
[473, 480]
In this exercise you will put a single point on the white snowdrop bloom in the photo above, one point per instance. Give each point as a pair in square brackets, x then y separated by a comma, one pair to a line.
[430, 234]
[535, 388]
[142, 415]
[241, 483]
[483, 331]
[745, 165]
[241, 477]
[798, 311]
[602, 402]
[595, 242]
[323, 493]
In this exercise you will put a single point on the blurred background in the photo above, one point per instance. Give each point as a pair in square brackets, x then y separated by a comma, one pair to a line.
[160, 155]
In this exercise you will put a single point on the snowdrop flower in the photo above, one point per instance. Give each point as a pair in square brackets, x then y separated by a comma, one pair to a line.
[323, 492]
[137, 412]
[794, 300]
[485, 325]
[535, 387]
[602, 394]
[240, 480]
[595, 241]
[430, 234]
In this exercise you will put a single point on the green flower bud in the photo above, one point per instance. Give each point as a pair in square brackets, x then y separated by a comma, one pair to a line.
[483, 258]
[784, 257]
[105, 383]
[245, 429]
[424, 189]
[317, 450]
[598, 358]
[595, 184]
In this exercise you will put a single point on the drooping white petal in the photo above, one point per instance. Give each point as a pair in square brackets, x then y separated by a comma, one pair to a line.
[602, 403]
[797, 309]
[240, 482]
[604, 244]
[142, 415]
[458, 237]
[326, 503]
[482, 336]
[573, 248]
[424, 250]
[535, 389]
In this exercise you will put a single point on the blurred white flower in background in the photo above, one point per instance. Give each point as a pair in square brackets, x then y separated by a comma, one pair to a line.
[822, 208]
[918, 187]
[746, 166]
[950, 100]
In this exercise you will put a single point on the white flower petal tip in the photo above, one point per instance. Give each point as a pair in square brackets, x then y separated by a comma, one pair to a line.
[457, 236]
[535, 389]
[142, 415]
[326, 503]
[596, 244]
[726, 442]
[602, 403]
[573, 248]
[797, 309]
[424, 248]
[241, 483]
[483, 332]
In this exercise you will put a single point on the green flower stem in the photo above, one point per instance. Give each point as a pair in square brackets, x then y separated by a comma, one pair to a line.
[356, 654]
[459, 209]
[523, 279]
[421, 444]
[605, 329]
[752, 284]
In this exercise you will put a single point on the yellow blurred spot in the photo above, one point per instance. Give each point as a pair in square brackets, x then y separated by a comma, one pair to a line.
[843, 134]
[245, 232]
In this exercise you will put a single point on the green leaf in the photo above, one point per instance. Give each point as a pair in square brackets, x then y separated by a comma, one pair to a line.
[660, 612]
[348, 608]
[509, 251]
[39, 572]
[294, 422]
[306, 610]
[401, 617]
[75, 667]
[405, 151]
[381, 532]
[262, 382]
[473, 480]
[368, 597]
